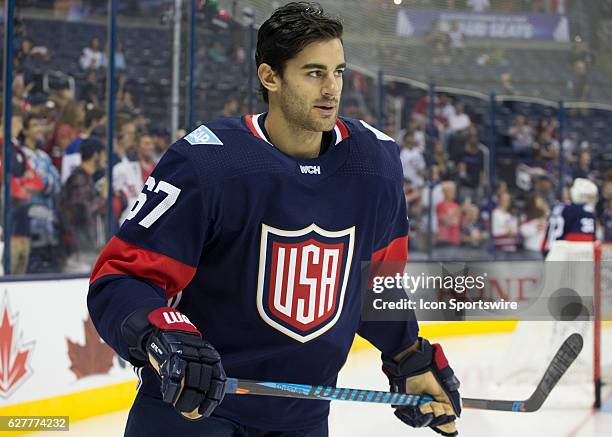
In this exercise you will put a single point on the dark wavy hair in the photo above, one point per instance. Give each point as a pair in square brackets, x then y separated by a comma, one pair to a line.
[291, 28]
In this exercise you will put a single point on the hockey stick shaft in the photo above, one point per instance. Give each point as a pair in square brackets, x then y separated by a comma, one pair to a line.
[303, 391]
[562, 360]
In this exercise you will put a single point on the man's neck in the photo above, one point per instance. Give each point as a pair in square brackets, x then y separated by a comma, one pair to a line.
[88, 167]
[290, 139]
[31, 144]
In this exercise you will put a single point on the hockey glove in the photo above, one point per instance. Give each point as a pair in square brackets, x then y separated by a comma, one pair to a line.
[426, 371]
[192, 377]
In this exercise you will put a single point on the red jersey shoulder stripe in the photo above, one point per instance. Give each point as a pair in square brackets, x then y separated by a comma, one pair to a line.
[249, 122]
[121, 258]
[396, 250]
[252, 122]
[342, 132]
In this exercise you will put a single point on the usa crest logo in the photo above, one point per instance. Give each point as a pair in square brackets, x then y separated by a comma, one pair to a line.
[303, 277]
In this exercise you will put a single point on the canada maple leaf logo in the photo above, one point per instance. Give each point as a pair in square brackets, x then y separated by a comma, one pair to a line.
[91, 358]
[14, 354]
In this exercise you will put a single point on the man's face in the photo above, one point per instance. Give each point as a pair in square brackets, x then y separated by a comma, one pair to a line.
[309, 91]
[100, 159]
[146, 148]
[128, 136]
[35, 130]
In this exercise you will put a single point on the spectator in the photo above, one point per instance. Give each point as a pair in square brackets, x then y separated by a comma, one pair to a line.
[543, 187]
[42, 211]
[533, 227]
[126, 145]
[130, 176]
[61, 99]
[445, 110]
[471, 233]
[570, 147]
[72, 158]
[161, 140]
[449, 216]
[441, 161]
[546, 149]
[504, 225]
[413, 163]
[457, 133]
[84, 207]
[416, 133]
[90, 91]
[120, 64]
[433, 190]
[125, 103]
[24, 183]
[521, 134]
[584, 167]
[67, 129]
[471, 169]
[414, 205]
[91, 56]
[420, 110]
[32, 62]
[146, 156]
[459, 122]
[20, 94]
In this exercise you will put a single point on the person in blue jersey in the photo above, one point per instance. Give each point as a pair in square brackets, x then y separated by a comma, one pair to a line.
[242, 257]
[574, 221]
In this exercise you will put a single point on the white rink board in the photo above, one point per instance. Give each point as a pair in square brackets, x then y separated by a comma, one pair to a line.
[44, 315]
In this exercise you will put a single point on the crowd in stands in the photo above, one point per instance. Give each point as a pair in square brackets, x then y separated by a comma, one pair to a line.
[58, 182]
[59, 189]
[445, 165]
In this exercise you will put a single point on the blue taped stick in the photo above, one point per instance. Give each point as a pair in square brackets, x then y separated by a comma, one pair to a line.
[304, 391]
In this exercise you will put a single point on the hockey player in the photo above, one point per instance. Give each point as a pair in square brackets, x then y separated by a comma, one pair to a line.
[576, 221]
[254, 229]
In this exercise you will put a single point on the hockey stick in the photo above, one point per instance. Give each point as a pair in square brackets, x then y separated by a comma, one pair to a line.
[562, 360]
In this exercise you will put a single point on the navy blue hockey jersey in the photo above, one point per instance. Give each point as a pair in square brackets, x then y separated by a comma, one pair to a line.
[262, 252]
[572, 222]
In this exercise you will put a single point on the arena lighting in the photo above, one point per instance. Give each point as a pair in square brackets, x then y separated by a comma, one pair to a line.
[397, 2]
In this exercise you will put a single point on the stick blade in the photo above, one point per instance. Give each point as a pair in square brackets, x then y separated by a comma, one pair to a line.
[563, 359]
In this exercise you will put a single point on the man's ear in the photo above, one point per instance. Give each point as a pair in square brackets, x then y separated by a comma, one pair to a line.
[268, 77]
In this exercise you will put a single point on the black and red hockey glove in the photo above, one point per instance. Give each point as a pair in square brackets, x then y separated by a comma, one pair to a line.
[426, 371]
[192, 377]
